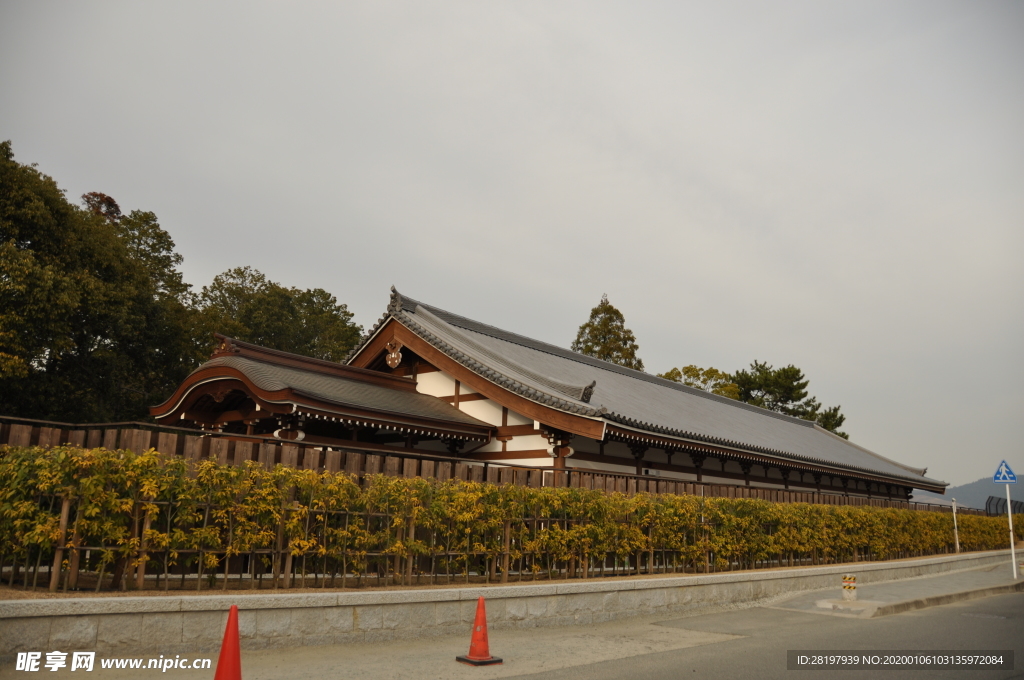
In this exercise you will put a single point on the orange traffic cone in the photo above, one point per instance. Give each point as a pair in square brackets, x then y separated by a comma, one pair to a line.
[229, 663]
[479, 653]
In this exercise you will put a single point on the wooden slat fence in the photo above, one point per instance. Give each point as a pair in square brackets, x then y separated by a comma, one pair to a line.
[235, 450]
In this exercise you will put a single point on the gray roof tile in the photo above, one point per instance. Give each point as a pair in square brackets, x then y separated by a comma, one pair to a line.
[559, 378]
[342, 391]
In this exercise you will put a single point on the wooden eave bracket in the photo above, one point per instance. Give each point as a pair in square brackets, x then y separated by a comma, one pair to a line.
[625, 436]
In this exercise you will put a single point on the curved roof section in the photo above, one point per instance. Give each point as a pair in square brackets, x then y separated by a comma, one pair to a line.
[342, 391]
[549, 374]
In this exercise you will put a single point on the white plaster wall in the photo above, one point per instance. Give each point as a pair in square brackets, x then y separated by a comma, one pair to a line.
[528, 442]
[493, 446]
[710, 478]
[546, 461]
[602, 467]
[672, 474]
[483, 409]
[516, 419]
[436, 384]
[440, 384]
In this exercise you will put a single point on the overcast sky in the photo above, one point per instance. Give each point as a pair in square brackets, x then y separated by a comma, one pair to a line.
[837, 186]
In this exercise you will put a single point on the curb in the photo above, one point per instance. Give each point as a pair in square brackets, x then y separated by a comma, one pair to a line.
[938, 600]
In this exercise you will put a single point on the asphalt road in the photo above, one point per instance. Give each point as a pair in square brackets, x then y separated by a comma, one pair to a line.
[743, 643]
[766, 634]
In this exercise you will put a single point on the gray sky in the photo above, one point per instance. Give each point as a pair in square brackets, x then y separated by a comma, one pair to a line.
[834, 186]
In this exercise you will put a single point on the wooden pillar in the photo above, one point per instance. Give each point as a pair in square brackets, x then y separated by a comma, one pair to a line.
[559, 462]
[745, 466]
[58, 554]
[638, 455]
[698, 462]
[560, 450]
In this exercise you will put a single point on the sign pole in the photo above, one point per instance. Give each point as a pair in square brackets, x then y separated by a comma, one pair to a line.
[1009, 516]
[1004, 475]
[956, 532]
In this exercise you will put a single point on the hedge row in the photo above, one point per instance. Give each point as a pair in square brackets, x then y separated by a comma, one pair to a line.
[140, 520]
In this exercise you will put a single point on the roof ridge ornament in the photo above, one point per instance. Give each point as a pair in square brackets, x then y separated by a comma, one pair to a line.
[395, 305]
[227, 346]
[588, 392]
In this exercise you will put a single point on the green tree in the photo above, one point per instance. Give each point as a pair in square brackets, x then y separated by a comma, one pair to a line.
[606, 337]
[784, 390]
[707, 379]
[244, 304]
[94, 320]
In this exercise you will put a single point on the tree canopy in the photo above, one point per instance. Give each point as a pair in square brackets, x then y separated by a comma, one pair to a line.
[784, 390]
[606, 337]
[96, 321]
[707, 379]
[244, 304]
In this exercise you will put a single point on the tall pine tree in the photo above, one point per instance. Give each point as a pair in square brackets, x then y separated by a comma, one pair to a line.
[784, 390]
[605, 336]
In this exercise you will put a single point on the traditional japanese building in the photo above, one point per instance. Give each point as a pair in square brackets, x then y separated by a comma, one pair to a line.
[426, 380]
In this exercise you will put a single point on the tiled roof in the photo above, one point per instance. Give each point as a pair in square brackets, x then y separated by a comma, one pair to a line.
[342, 391]
[589, 387]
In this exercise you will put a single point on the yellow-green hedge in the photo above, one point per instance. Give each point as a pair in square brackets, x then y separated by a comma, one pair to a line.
[333, 524]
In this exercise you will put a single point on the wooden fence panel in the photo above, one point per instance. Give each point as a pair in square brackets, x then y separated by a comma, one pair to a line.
[49, 436]
[135, 440]
[245, 452]
[192, 448]
[227, 450]
[21, 435]
[167, 443]
[333, 463]
[266, 455]
[219, 450]
[444, 471]
[289, 455]
[311, 458]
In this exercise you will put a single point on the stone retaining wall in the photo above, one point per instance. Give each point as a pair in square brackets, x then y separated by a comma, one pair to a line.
[193, 624]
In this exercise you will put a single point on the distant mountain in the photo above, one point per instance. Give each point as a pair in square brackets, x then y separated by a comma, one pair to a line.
[972, 495]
